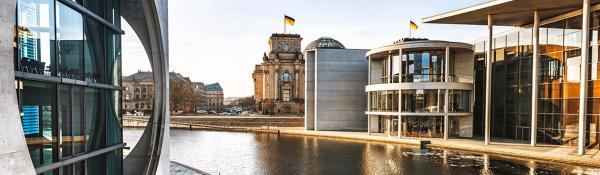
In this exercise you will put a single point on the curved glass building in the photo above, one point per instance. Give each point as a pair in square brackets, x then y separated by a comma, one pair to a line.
[421, 88]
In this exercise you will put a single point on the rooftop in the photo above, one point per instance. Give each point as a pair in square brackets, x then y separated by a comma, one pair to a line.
[213, 87]
[507, 12]
[325, 43]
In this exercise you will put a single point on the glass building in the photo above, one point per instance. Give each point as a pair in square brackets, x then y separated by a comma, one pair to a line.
[540, 81]
[426, 85]
[67, 78]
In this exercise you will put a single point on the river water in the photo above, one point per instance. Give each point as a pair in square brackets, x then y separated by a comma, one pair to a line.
[218, 152]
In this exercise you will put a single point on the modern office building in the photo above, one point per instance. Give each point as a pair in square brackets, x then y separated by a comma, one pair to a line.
[60, 85]
[539, 82]
[279, 79]
[421, 88]
[335, 82]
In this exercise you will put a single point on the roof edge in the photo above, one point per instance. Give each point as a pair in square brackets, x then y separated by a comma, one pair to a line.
[432, 19]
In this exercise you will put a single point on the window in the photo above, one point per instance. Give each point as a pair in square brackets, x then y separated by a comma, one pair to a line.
[39, 120]
[69, 35]
[35, 35]
[94, 52]
[286, 77]
[285, 95]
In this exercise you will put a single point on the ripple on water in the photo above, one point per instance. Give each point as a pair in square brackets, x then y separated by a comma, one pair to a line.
[259, 153]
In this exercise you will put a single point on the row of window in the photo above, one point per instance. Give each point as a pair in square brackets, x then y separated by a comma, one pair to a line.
[559, 76]
[55, 40]
[420, 100]
[84, 119]
[417, 66]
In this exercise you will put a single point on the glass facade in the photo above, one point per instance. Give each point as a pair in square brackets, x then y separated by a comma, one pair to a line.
[58, 47]
[423, 66]
[384, 101]
[559, 80]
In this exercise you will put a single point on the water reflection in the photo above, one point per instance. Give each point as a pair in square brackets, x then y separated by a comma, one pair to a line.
[250, 153]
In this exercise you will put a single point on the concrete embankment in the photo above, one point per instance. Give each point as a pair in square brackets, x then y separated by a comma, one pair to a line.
[542, 152]
[223, 123]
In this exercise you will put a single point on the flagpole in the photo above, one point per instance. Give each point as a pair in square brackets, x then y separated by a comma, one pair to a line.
[284, 26]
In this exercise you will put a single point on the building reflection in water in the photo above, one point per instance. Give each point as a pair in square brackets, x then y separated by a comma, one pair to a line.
[259, 153]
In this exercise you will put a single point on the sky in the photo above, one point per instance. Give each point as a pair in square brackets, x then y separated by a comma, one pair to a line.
[221, 40]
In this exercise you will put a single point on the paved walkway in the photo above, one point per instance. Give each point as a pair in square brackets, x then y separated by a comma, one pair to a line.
[544, 152]
[181, 169]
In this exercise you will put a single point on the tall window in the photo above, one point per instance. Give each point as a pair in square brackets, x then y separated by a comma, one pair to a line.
[35, 34]
[285, 94]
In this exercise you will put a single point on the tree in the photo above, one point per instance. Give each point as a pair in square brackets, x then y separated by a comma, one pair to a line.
[182, 95]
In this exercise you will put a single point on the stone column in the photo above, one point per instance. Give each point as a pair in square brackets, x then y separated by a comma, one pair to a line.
[534, 76]
[585, 45]
[488, 81]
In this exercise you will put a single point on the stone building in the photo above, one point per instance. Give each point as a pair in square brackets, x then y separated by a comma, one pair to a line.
[139, 90]
[214, 94]
[202, 98]
[279, 79]
[138, 93]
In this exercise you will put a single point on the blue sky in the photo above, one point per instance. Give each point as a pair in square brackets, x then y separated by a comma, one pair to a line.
[222, 40]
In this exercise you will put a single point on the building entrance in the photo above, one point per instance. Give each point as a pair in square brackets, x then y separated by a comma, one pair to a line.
[423, 126]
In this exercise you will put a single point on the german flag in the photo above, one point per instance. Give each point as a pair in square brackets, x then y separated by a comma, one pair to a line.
[288, 20]
[413, 26]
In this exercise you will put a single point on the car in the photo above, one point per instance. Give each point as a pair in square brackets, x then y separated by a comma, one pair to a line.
[202, 112]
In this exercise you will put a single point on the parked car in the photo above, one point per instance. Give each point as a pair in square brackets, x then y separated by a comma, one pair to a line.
[202, 112]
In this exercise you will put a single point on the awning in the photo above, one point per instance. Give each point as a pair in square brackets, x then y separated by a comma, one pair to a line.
[507, 12]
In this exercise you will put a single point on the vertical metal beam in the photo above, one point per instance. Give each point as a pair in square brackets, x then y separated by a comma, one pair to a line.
[488, 81]
[585, 45]
[535, 81]
[369, 73]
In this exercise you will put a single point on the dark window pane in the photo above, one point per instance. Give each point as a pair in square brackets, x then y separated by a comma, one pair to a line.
[38, 116]
[69, 33]
[94, 119]
[94, 51]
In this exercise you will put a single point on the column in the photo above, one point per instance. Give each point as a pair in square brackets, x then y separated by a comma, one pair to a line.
[369, 96]
[296, 87]
[389, 126]
[534, 76]
[369, 124]
[488, 81]
[585, 45]
[399, 93]
[388, 68]
[446, 79]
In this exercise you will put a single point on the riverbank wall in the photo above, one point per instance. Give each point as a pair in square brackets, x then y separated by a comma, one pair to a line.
[223, 121]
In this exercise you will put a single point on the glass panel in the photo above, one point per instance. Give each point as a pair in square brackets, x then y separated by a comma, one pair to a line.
[94, 51]
[66, 122]
[114, 126]
[36, 38]
[69, 33]
[395, 68]
[420, 100]
[94, 119]
[426, 66]
[113, 62]
[96, 6]
[96, 165]
[38, 116]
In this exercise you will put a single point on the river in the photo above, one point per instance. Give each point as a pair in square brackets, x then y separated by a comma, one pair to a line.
[218, 152]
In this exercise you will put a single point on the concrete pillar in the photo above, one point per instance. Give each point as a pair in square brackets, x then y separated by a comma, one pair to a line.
[447, 65]
[388, 126]
[369, 73]
[399, 93]
[369, 124]
[488, 81]
[534, 76]
[446, 115]
[389, 67]
[585, 45]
